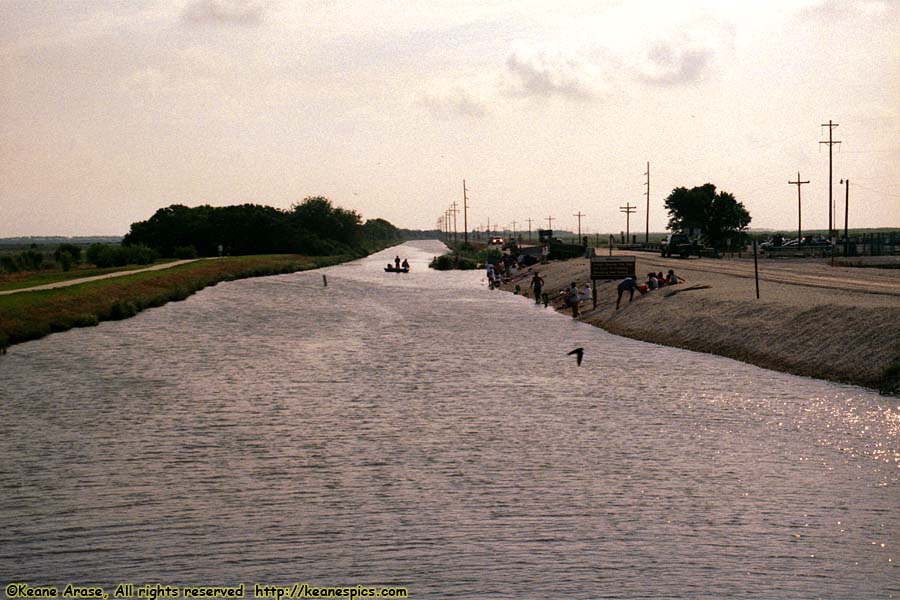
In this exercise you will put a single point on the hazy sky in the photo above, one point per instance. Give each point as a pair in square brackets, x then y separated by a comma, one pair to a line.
[111, 110]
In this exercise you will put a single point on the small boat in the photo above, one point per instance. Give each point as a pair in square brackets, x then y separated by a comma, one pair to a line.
[393, 270]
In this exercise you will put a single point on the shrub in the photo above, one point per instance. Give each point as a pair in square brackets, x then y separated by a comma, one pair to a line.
[104, 255]
[31, 260]
[67, 255]
[445, 262]
[9, 263]
[185, 252]
[466, 264]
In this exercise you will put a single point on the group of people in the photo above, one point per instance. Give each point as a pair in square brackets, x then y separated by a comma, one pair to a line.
[398, 266]
[654, 282]
[504, 269]
[572, 296]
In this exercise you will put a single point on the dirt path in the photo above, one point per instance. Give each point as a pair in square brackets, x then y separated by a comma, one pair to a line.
[59, 284]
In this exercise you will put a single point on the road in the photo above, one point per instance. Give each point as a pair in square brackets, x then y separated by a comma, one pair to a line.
[802, 272]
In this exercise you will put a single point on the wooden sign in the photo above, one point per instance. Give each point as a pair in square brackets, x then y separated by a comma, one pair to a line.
[612, 267]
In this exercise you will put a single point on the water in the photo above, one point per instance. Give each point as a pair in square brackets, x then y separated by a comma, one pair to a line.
[421, 431]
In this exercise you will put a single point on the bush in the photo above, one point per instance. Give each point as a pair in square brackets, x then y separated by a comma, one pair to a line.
[185, 252]
[105, 255]
[9, 263]
[67, 255]
[31, 260]
[466, 264]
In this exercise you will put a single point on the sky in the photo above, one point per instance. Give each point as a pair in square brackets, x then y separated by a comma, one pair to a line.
[111, 110]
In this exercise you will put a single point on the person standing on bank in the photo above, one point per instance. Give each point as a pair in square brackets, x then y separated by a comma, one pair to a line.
[537, 284]
[628, 284]
[572, 299]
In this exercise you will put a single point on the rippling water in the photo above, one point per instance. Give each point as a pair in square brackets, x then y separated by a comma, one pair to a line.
[419, 430]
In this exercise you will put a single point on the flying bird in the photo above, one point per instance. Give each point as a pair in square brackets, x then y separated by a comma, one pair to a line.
[579, 354]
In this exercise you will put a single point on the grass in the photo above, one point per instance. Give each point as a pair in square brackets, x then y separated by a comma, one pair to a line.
[32, 315]
[16, 281]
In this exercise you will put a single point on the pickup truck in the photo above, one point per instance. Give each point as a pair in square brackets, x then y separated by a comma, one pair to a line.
[679, 244]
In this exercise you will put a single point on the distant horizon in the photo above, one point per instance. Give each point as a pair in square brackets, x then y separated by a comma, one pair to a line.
[563, 232]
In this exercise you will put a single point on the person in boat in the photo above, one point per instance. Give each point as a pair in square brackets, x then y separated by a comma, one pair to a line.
[389, 267]
[405, 264]
[397, 262]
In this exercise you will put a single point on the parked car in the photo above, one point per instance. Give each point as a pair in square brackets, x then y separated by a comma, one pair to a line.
[776, 241]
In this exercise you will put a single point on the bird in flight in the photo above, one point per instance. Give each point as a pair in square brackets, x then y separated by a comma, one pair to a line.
[579, 354]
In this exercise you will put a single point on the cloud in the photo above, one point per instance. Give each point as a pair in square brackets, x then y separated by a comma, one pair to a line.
[687, 55]
[546, 73]
[834, 10]
[452, 103]
[667, 64]
[225, 12]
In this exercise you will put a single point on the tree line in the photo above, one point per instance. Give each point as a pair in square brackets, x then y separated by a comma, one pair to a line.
[312, 227]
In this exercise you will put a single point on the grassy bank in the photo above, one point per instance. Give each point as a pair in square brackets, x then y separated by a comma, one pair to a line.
[15, 281]
[31, 315]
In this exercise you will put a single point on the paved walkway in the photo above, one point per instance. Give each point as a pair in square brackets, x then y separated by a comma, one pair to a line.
[59, 284]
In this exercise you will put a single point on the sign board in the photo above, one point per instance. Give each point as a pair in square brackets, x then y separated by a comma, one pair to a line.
[612, 267]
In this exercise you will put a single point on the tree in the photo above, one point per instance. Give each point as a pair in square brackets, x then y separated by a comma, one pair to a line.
[717, 216]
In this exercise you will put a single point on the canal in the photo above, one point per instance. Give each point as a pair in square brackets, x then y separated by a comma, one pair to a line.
[419, 430]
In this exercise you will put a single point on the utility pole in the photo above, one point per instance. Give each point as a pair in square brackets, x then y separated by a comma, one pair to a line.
[514, 229]
[529, 229]
[831, 144]
[798, 183]
[550, 223]
[846, 183]
[453, 207]
[647, 230]
[627, 209]
[465, 214]
[579, 215]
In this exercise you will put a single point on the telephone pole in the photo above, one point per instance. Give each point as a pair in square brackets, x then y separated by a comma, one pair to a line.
[831, 144]
[455, 210]
[647, 230]
[627, 209]
[550, 223]
[846, 183]
[579, 215]
[529, 229]
[465, 214]
[798, 183]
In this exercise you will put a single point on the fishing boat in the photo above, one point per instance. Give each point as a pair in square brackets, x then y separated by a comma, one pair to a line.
[395, 270]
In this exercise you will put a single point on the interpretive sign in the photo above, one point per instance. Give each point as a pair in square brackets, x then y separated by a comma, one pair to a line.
[612, 267]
